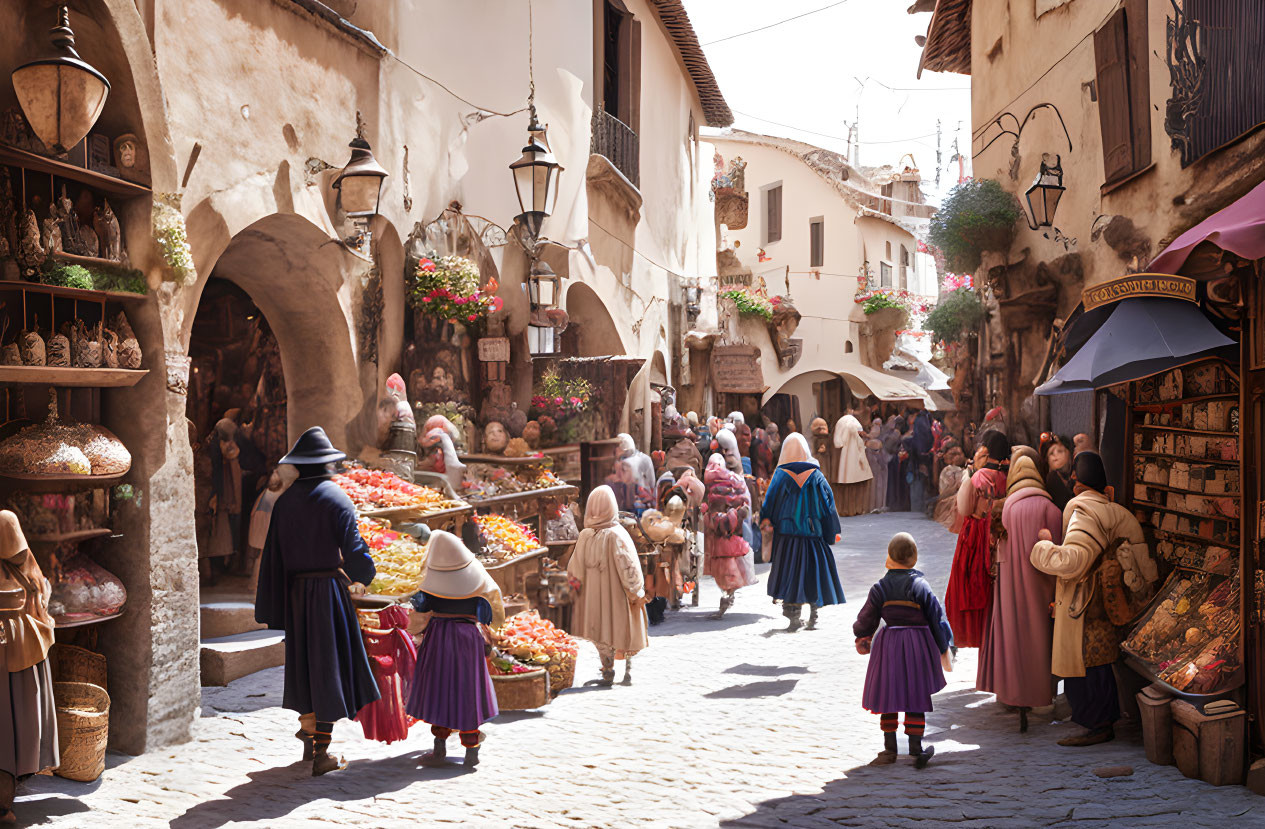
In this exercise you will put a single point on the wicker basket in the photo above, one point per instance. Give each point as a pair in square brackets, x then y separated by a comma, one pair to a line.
[519, 692]
[561, 670]
[70, 663]
[83, 726]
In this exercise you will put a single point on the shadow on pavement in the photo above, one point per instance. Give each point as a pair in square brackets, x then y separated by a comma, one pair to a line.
[681, 622]
[272, 794]
[754, 690]
[766, 670]
[37, 811]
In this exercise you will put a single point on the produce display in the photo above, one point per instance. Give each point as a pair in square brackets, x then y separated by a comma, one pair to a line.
[400, 560]
[374, 489]
[1190, 638]
[504, 539]
[50, 514]
[529, 638]
[56, 448]
[502, 664]
[534, 640]
[485, 481]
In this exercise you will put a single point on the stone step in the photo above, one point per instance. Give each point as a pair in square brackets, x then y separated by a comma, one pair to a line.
[226, 617]
[227, 658]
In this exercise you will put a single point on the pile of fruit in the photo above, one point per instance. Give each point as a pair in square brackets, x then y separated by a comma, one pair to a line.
[504, 539]
[485, 481]
[400, 560]
[529, 638]
[371, 489]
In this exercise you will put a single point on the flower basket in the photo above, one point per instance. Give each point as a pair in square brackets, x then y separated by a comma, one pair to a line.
[561, 670]
[888, 318]
[447, 288]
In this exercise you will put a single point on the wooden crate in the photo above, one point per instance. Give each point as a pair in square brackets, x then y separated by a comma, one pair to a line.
[1209, 747]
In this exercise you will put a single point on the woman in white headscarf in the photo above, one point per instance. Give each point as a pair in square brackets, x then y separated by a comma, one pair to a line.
[635, 476]
[609, 611]
[801, 509]
[855, 474]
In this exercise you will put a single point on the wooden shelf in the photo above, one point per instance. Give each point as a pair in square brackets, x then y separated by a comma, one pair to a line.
[1188, 514]
[80, 294]
[1179, 491]
[1209, 432]
[43, 164]
[1185, 458]
[525, 495]
[78, 623]
[501, 460]
[79, 378]
[57, 483]
[1215, 542]
[1165, 404]
[65, 538]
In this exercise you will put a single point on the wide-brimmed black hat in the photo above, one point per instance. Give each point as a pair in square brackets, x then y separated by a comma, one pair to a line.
[313, 446]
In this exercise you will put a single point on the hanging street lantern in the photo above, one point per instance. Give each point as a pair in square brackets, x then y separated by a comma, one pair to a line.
[61, 94]
[1045, 192]
[536, 179]
[543, 286]
[359, 185]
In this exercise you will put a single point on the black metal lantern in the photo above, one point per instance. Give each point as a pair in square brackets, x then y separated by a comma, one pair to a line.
[61, 94]
[543, 286]
[359, 185]
[536, 178]
[1044, 194]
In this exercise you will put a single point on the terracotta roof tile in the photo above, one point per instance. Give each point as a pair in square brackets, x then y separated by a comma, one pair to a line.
[677, 23]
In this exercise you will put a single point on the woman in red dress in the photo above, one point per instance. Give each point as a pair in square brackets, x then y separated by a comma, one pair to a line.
[968, 601]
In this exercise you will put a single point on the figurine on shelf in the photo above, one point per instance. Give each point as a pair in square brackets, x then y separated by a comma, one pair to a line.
[50, 236]
[109, 238]
[30, 253]
[63, 210]
[495, 438]
[131, 159]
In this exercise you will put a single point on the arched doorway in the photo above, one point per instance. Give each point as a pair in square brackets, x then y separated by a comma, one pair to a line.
[236, 389]
[591, 332]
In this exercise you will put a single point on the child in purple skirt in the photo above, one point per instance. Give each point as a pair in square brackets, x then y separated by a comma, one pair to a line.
[909, 654]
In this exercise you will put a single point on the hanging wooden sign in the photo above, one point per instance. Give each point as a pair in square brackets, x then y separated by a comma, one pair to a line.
[1139, 285]
[736, 369]
[494, 349]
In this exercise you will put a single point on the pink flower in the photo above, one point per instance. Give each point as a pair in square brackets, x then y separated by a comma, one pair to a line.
[575, 401]
[557, 401]
[425, 299]
[472, 317]
[427, 265]
[460, 300]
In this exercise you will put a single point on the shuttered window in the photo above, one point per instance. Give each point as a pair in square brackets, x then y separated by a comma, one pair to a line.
[1124, 115]
[885, 275]
[773, 214]
[816, 243]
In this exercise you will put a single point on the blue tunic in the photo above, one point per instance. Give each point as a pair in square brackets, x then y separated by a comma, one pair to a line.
[312, 535]
[805, 524]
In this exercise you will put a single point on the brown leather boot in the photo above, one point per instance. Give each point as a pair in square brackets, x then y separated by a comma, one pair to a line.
[323, 762]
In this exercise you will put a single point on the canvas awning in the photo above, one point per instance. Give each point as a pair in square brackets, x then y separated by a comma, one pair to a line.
[1141, 337]
[1238, 228]
[865, 381]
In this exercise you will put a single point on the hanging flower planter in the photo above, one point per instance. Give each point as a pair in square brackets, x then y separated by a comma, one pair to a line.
[447, 288]
[751, 304]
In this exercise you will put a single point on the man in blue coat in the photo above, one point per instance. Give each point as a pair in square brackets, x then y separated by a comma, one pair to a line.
[313, 554]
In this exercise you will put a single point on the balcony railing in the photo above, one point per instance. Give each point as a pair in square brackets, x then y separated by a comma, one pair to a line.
[616, 141]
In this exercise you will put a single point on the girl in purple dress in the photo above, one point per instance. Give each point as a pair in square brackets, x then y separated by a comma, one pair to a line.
[909, 654]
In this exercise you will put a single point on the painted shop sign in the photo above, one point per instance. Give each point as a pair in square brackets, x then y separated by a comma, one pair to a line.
[494, 350]
[736, 369]
[1139, 285]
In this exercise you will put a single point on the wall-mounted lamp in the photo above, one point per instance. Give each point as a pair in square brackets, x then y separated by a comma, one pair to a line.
[1044, 194]
[61, 94]
[359, 185]
[536, 179]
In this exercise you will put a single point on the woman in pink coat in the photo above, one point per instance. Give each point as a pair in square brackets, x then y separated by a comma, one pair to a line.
[1014, 661]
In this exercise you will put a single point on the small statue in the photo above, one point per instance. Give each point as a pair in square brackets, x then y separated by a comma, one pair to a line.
[88, 241]
[109, 238]
[64, 211]
[50, 237]
[30, 253]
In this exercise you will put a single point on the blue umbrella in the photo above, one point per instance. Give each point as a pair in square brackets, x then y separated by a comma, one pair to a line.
[1141, 337]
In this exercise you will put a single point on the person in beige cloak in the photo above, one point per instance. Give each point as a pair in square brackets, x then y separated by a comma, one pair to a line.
[610, 611]
[854, 474]
[1093, 596]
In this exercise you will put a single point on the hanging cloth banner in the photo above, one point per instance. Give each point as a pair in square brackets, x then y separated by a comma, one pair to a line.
[1139, 285]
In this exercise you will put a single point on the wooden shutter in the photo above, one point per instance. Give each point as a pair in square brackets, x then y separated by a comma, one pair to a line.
[1112, 62]
[1139, 83]
[633, 78]
[816, 243]
[774, 217]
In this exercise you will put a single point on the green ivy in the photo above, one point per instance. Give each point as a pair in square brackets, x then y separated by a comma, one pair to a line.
[98, 277]
[976, 216]
[957, 315]
[65, 276]
[749, 304]
[880, 301]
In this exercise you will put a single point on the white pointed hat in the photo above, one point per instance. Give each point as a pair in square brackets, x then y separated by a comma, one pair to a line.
[452, 571]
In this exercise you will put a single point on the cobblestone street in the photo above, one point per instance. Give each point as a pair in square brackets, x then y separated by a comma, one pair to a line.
[728, 723]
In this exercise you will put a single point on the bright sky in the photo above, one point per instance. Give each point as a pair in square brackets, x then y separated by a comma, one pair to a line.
[810, 76]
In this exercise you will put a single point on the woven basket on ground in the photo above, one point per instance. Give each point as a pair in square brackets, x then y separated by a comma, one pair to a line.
[83, 725]
[519, 692]
[70, 663]
[561, 669]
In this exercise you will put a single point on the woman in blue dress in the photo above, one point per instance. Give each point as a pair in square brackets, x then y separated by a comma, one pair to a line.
[801, 509]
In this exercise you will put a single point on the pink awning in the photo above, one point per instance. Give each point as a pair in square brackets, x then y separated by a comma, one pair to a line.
[1238, 228]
